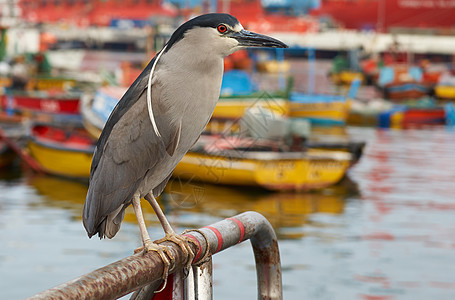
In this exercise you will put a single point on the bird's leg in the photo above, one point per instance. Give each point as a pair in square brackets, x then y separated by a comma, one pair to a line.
[170, 234]
[147, 242]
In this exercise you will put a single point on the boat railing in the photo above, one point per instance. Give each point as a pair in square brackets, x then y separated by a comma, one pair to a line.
[142, 273]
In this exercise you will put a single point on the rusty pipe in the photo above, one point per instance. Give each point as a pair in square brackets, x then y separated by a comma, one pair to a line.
[256, 228]
[136, 271]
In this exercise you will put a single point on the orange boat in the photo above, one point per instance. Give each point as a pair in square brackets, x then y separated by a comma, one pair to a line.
[400, 82]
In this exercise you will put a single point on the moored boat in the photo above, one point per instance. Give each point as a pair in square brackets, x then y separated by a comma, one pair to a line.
[46, 83]
[400, 82]
[96, 108]
[346, 67]
[234, 107]
[354, 148]
[252, 163]
[62, 150]
[346, 77]
[323, 108]
[405, 90]
[445, 91]
[320, 109]
[445, 87]
[411, 117]
[41, 102]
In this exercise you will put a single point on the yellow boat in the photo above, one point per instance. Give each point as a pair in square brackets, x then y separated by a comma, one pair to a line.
[231, 108]
[62, 151]
[334, 112]
[5, 82]
[50, 83]
[445, 91]
[329, 108]
[323, 108]
[277, 171]
[346, 77]
[273, 66]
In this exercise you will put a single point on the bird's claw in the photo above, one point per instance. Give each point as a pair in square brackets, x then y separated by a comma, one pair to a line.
[183, 243]
[164, 253]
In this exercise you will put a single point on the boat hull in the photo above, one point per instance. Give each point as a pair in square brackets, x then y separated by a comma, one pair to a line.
[413, 117]
[346, 77]
[445, 92]
[235, 108]
[335, 112]
[51, 83]
[41, 103]
[62, 162]
[307, 172]
[409, 90]
[62, 150]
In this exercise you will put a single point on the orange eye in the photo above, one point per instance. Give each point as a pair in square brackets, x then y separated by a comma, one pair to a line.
[222, 28]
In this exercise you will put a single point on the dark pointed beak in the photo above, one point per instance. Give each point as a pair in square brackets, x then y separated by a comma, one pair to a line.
[251, 39]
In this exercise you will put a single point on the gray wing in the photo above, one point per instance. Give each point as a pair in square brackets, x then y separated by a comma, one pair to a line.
[132, 95]
[127, 150]
[160, 188]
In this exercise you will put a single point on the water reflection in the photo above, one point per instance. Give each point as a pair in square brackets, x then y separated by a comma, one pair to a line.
[59, 192]
[192, 204]
[283, 210]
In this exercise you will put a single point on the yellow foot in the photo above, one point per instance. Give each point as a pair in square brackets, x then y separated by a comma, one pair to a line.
[164, 253]
[183, 243]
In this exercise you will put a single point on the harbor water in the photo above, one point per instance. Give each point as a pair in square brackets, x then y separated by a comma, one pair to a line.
[385, 232]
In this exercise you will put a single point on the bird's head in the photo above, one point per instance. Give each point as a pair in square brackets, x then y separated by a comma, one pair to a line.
[220, 34]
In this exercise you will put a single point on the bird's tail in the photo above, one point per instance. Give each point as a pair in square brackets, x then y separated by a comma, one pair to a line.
[111, 225]
[104, 226]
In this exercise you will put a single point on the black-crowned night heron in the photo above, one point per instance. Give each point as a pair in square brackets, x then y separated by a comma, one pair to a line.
[157, 121]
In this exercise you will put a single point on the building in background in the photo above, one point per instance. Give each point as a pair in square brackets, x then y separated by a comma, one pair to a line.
[9, 13]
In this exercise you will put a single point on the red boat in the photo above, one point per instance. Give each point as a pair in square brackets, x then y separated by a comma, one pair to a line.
[416, 117]
[41, 102]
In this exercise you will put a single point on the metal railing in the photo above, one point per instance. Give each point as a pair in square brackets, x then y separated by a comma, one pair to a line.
[142, 273]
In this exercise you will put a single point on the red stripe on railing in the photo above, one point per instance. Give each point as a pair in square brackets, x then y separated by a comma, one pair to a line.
[241, 227]
[199, 252]
[218, 236]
